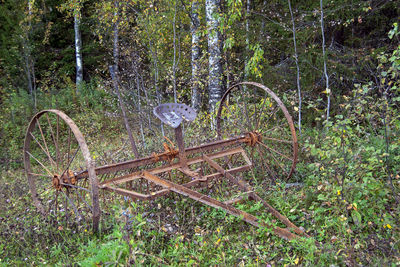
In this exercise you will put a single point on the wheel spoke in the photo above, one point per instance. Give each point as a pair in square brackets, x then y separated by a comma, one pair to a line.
[41, 147]
[72, 204]
[266, 164]
[236, 119]
[41, 164]
[45, 143]
[278, 140]
[75, 186]
[277, 152]
[57, 137]
[54, 139]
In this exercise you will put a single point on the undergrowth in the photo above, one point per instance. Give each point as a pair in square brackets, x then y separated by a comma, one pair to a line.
[345, 194]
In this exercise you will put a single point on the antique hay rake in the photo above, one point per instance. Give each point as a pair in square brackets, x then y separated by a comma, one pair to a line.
[255, 137]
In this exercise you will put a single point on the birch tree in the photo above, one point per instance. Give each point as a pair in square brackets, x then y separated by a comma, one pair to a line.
[78, 47]
[73, 9]
[196, 55]
[215, 53]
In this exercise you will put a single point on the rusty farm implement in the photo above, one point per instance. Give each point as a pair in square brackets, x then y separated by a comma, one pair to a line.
[254, 140]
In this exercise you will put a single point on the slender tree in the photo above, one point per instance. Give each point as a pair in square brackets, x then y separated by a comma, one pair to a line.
[176, 62]
[215, 80]
[78, 46]
[115, 77]
[246, 73]
[296, 58]
[327, 89]
[196, 55]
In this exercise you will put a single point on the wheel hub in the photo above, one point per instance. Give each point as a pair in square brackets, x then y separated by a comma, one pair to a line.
[66, 180]
[252, 138]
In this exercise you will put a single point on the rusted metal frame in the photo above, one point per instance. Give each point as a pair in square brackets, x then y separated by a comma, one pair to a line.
[170, 167]
[199, 183]
[182, 190]
[151, 159]
[247, 188]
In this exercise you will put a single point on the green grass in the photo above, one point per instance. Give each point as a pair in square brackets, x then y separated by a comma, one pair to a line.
[351, 216]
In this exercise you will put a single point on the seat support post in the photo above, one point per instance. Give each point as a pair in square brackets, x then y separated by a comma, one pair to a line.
[181, 146]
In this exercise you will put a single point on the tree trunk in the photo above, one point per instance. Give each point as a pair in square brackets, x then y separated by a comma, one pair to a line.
[115, 78]
[196, 55]
[296, 58]
[175, 63]
[215, 80]
[327, 89]
[247, 52]
[78, 49]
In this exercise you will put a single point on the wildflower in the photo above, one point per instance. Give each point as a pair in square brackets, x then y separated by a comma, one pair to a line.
[218, 241]
[389, 226]
[338, 192]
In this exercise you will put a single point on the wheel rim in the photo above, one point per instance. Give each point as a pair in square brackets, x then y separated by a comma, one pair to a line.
[54, 151]
[252, 107]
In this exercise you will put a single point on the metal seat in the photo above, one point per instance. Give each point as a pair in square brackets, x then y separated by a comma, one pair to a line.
[173, 113]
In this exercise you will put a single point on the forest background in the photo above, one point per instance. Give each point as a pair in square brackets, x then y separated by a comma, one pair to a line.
[335, 64]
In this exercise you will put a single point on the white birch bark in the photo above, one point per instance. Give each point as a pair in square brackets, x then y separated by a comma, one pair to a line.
[78, 49]
[196, 55]
[215, 54]
[175, 63]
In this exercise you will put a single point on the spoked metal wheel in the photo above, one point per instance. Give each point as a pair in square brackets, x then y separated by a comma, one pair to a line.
[55, 151]
[253, 109]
